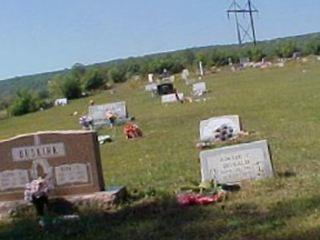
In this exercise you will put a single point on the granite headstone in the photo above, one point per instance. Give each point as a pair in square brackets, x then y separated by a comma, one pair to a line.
[70, 159]
[232, 164]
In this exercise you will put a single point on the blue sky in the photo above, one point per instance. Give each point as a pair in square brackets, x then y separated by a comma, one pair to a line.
[45, 35]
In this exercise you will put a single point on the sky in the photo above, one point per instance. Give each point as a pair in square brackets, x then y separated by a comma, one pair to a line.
[46, 35]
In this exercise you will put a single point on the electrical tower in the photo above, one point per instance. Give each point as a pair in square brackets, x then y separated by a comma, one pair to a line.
[245, 27]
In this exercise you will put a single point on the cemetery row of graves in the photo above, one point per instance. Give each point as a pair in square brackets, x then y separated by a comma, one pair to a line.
[231, 122]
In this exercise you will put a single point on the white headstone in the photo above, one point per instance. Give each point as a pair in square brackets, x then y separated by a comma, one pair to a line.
[169, 98]
[201, 69]
[98, 112]
[185, 74]
[61, 102]
[151, 87]
[199, 88]
[150, 77]
[228, 165]
[208, 127]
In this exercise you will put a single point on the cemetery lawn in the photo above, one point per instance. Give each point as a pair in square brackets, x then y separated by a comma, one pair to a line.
[278, 104]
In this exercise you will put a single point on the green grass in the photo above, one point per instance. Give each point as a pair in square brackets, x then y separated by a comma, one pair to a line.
[278, 104]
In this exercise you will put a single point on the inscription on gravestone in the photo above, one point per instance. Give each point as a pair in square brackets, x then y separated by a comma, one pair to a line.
[199, 87]
[249, 161]
[98, 112]
[70, 159]
[169, 98]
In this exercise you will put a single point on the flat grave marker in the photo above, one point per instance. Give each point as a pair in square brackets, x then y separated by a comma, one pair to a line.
[170, 98]
[153, 87]
[232, 164]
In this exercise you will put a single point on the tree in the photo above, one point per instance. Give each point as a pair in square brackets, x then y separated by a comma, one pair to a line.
[71, 88]
[93, 79]
[256, 54]
[313, 46]
[23, 104]
[286, 49]
[55, 87]
[118, 74]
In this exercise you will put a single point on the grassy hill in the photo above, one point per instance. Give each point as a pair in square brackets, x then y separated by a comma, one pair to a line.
[38, 82]
[277, 104]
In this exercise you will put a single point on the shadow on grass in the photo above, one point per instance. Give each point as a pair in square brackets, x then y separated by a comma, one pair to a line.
[164, 219]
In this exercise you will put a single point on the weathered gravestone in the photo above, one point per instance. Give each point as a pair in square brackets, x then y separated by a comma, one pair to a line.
[199, 89]
[71, 160]
[61, 102]
[150, 77]
[209, 127]
[170, 98]
[98, 112]
[153, 87]
[228, 165]
[185, 74]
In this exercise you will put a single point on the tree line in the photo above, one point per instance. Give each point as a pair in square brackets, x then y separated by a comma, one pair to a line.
[82, 80]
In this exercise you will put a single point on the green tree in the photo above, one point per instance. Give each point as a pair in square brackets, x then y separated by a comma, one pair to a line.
[256, 54]
[71, 88]
[24, 103]
[93, 79]
[313, 46]
[118, 74]
[286, 49]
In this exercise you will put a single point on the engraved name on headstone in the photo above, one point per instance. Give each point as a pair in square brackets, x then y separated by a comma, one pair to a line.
[98, 112]
[169, 98]
[69, 159]
[228, 165]
[199, 88]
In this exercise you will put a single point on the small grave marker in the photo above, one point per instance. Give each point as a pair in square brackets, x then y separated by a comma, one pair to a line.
[151, 87]
[61, 102]
[209, 127]
[199, 89]
[150, 77]
[169, 98]
[185, 74]
[229, 165]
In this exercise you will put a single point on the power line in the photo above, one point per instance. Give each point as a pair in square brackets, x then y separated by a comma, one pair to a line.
[245, 30]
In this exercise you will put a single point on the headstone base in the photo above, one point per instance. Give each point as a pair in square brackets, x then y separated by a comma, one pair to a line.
[103, 199]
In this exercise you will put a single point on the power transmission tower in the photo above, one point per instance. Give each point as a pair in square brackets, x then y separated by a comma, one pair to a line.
[245, 30]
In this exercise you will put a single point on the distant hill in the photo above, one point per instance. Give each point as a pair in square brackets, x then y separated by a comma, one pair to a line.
[35, 82]
[38, 82]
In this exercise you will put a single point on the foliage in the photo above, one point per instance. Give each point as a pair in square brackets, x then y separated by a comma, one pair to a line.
[118, 74]
[256, 54]
[93, 79]
[313, 46]
[71, 88]
[24, 103]
[286, 49]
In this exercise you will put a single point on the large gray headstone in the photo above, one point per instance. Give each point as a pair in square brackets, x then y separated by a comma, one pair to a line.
[227, 165]
[98, 112]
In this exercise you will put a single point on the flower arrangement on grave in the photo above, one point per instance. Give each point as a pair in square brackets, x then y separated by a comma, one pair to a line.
[132, 130]
[85, 122]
